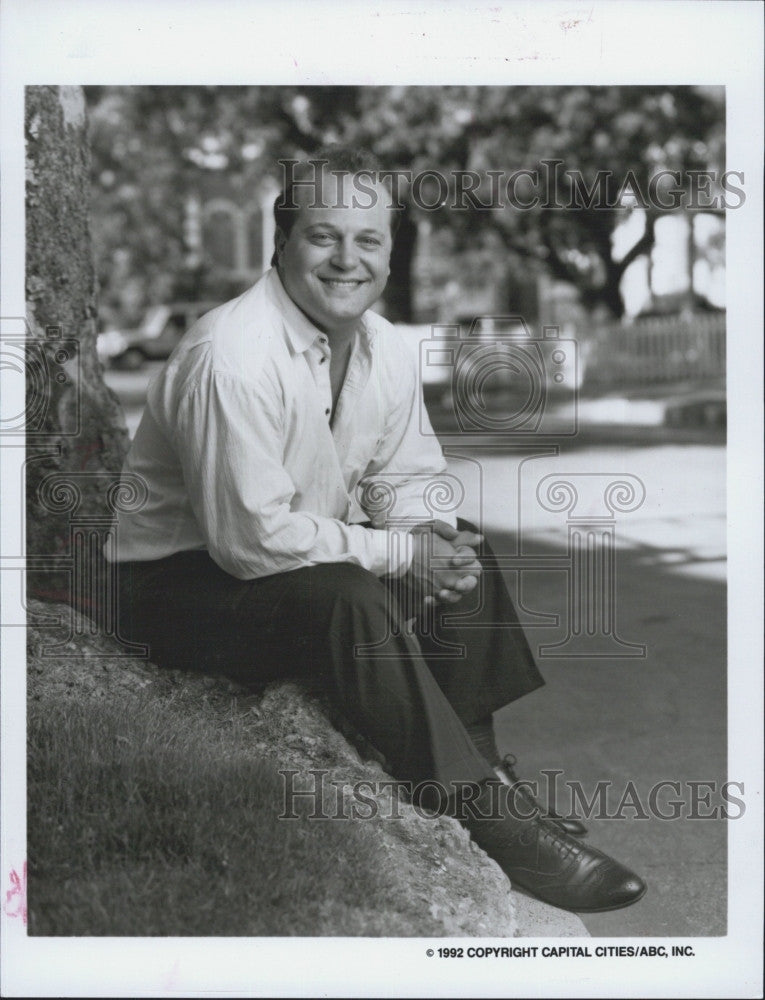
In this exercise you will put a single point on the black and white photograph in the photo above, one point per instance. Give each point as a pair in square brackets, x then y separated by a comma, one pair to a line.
[381, 474]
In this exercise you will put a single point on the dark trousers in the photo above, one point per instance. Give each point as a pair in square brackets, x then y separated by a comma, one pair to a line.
[408, 681]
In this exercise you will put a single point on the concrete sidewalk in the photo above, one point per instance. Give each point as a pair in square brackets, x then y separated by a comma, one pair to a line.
[642, 721]
[632, 721]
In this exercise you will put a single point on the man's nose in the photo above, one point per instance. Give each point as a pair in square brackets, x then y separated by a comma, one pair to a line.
[345, 254]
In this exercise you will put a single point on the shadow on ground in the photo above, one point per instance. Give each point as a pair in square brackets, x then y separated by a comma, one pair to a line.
[639, 720]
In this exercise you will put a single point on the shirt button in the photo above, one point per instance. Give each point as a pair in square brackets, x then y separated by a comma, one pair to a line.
[322, 360]
[327, 411]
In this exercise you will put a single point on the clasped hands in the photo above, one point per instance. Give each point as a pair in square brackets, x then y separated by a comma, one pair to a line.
[444, 564]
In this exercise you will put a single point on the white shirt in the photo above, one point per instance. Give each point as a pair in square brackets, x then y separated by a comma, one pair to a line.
[240, 458]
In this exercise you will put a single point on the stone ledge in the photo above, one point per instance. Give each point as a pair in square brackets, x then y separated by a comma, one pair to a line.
[456, 887]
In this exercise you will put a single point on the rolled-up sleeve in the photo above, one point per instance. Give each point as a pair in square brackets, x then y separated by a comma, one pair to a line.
[229, 437]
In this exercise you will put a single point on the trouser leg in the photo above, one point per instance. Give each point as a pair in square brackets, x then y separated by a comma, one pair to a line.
[476, 649]
[333, 620]
[339, 620]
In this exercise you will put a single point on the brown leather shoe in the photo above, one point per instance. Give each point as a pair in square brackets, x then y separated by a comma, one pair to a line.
[527, 803]
[536, 855]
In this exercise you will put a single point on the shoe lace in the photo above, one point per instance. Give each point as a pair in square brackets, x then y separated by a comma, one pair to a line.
[543, 829]
[565, 845]
[517, 786]
[520, 787]
[508, 762]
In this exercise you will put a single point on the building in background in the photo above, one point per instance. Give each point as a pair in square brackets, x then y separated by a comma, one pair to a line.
[229, 229]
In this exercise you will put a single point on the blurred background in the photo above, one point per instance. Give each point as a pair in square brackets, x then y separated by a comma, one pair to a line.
[184, 180]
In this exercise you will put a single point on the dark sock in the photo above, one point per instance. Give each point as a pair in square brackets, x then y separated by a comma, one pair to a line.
[482, 735]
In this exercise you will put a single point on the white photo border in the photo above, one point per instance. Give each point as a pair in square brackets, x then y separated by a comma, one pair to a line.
[320, 42]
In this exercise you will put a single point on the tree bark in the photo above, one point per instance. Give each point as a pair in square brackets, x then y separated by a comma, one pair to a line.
[75, 430]
[398, 293]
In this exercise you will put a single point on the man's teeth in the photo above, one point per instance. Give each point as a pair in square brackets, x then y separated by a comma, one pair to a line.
[339, 283]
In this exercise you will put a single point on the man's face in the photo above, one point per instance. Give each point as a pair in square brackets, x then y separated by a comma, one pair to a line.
[335, 262]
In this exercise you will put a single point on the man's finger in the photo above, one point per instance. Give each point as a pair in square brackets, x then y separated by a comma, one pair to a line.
[444, 530]
[465, 556]
[470, 538]
[463, 559]
[449, 596]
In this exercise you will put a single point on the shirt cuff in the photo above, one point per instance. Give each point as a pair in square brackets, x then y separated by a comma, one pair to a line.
[393, 552]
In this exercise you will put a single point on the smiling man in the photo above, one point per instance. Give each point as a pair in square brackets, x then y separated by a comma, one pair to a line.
[277, 424]
[332, 261]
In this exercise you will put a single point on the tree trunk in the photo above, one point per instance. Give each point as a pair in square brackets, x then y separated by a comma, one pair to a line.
[75, 431]
[610, 294]
[398, 294]
[520, 295]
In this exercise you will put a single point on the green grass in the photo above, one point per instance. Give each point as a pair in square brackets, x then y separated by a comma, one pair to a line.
[156, 818]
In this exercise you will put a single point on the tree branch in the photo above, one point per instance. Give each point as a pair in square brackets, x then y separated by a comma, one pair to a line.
[546, 256]
[644, 245]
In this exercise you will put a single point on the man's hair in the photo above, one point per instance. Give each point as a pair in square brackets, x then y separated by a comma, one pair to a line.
[341, 159]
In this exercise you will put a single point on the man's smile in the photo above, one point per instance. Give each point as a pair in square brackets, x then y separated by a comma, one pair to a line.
[343, 281]
[342, 284]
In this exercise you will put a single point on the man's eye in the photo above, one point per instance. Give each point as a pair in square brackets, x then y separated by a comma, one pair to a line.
[322, 238]
[369, 241]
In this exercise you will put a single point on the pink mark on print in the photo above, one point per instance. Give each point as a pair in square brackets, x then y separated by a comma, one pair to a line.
[16, 897]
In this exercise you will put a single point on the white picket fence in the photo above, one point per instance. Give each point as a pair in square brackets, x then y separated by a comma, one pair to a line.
[666, 349]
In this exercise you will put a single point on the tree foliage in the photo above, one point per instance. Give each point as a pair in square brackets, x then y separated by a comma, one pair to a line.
[150, 142]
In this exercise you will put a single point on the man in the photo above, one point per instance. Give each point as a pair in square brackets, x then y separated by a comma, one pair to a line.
[267, 443]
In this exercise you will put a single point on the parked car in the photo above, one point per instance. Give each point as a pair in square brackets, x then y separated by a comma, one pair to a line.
[156, 337]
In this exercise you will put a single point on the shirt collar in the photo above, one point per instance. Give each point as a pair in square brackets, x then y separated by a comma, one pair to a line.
[301, 332]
